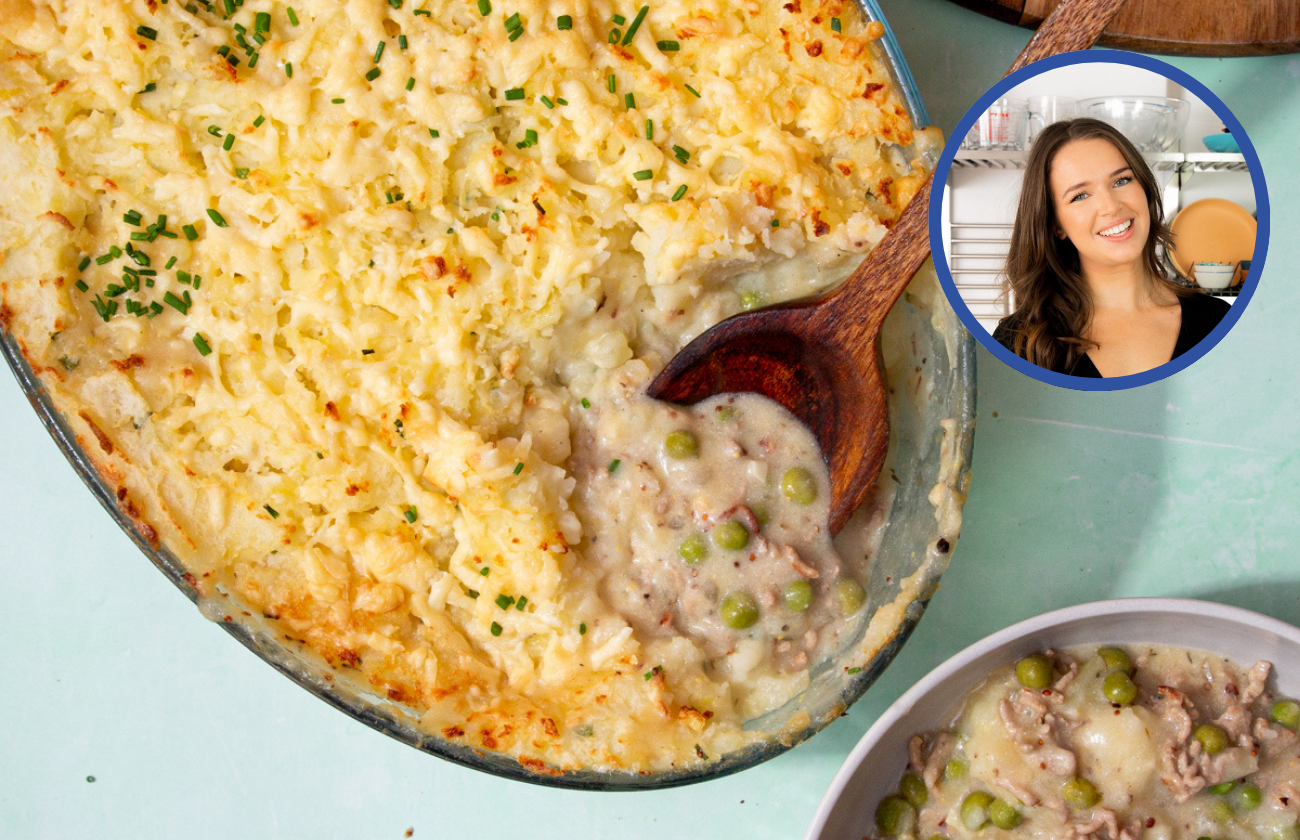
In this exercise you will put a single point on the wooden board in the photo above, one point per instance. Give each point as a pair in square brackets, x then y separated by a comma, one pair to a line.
[1177, 27]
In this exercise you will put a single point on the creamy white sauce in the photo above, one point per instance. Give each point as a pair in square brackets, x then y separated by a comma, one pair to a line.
[1150, 774]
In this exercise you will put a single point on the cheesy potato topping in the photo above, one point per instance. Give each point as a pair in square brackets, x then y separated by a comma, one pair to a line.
[325, 289]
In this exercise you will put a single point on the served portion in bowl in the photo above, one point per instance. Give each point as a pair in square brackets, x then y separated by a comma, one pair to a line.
[345, 310]
[1154, 718]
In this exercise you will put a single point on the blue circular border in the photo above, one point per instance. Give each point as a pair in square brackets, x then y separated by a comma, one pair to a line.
[1248, 286]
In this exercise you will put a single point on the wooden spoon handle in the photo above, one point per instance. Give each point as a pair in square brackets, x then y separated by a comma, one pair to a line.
[1071, 26]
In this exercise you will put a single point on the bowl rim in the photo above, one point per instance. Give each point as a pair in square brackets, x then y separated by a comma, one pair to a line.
[1094, 610]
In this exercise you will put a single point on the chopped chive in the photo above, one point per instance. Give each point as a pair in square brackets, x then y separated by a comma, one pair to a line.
[190, 233]
[649, 129]
[668, 46]
[104, 260]
[114, 252]
[230, 141]
[133, 217]
[513, 22]
[496, 629]
[367, 352]
[484, 7]
[514, 94]
[582, 629]
[613, 465]
[241, 172]
[546, 100]
[629, 100]
[85, 261]
[105, 308]
[258, 122]
[396, 4]
[519, 468]
[636, 24]
[619, 19]
[505, 602]
[338, 100]
[521, 603]
[835, 24]
[514, 34]
[149, 88]
[644, 174]
[694, 91]
[201, 344]
[379, 51]
[485, 571]
[147, 32]
[681, 191]
[275, 514]
[176, 303]
[614, 35]
[776, 223]
[560, 100]
[230, 7]
[411, 514]
[410, 83]
[473, 593]
[288, 69]
[611, 83]
[586, 403]
[852, 670]
[155, 309]
[216, 217]
[215, 132]
[293, 16]
[82, 287]
[262, 22]
[681, 154]
[433, 132]
[372, 74]
[139, 236]
[428, 13]
[564, 22]
[402, 42]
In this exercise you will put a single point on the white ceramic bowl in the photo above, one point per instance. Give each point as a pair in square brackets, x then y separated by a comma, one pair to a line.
[1213, 275]
[872, 770]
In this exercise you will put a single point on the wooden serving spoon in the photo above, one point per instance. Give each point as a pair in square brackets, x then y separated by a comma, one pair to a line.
[820, 357]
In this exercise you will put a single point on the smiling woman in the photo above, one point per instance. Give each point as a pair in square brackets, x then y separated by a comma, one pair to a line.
[1092, 299]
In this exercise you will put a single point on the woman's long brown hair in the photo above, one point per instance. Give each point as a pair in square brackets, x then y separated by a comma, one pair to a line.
[1053, 305]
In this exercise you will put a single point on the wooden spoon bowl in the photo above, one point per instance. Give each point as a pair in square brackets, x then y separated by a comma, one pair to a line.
[820, 357]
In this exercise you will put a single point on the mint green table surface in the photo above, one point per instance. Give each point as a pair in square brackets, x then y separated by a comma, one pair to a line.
[1188, 487]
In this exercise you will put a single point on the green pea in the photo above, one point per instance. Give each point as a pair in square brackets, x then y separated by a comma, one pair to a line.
[798, 596]
[739, 610]
[799, 486]
[725, 413]
[1222, 788]
[693, 549]
[849, 595]
[731, 535]
[1247, 798]
[975, 809]
[1034, 671]
[1116, 659]
[1212, 738]
[1220, 811]
[1119, 688]
[681, 444]
[1079, 793]
[895, 815]
[954, 770]
[913, 789]
[1287, 713]
[750, 300]
[1004, 815]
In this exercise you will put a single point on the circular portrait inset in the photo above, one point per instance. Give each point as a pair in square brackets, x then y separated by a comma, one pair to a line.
[1103, 220]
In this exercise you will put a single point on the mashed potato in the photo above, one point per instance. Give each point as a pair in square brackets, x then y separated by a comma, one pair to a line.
[325, 289]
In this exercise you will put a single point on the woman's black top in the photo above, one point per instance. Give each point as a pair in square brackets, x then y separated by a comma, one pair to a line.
[1201, 314]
